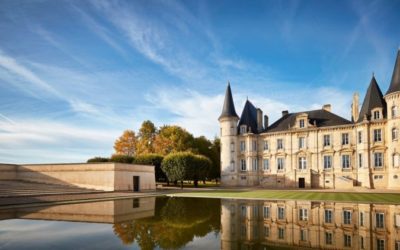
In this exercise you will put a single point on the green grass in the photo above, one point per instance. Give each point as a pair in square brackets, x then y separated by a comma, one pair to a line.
[296, 195]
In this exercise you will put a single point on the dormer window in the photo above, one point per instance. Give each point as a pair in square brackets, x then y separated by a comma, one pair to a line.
[377, 115]
[243, 129]
[301, 123]
[395, 134]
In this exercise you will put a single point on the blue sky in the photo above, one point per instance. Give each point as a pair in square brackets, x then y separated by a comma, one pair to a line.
[75, 74]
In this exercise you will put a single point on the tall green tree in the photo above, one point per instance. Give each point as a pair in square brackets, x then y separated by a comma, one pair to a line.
[170, 139]
[145, 138]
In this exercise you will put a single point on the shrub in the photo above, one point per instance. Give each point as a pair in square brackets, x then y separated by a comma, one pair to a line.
[98, 159]
[154, 160]
[122, 158]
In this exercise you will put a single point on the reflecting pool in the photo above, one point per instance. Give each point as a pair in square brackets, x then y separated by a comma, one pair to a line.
[198, 223]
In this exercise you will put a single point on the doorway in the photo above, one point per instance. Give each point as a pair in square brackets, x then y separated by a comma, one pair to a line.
[302, 182]
[136, 183]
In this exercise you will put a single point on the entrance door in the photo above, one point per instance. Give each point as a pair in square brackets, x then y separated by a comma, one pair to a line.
[302, 183]
[136, 183]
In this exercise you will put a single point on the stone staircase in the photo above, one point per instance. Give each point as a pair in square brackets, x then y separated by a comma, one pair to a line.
[22, 188]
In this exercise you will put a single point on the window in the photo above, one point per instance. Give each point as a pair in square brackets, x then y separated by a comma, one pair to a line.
[328, 238]
[359, 136]
[395, 134]
[302, 142]
[281, 233]
[303, 214]
[232, 147]
[396, 160]
[266, 164]
[380, 244]
[243, 231]
[377, 135]
[303, 234]
[242, 146]
[345, 161]
[397, 245]
[281, 213]
[327, 140]
[302, 163]
[301, 123]
[328, 216]
[397, 221]
[380, 220]
[255, 211]
[327, 162]
[255, 164]
[346, 217]
[361, 219]
[377, 115]
[266, 231]
[360, 160]
[232, 166]
[394, 111]
[266, 146]
[378, 160]
[266, 212]
[345, 139]
[243, 129]
[280, 163]
[243, 211]
[362, 242]
[255, 232]
[243, 165]
[254, 145]
[279, 144]
[347, 240]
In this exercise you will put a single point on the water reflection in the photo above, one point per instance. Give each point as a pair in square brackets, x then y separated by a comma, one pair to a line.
[170, 223]
[305, 224]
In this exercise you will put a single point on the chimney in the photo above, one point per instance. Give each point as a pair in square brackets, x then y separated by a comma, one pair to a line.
[327, 107]
[285, 112]
[354, 108]
[259, 120]
[265, 121]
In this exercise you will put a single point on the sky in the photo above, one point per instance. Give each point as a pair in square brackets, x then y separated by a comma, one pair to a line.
[75, 74]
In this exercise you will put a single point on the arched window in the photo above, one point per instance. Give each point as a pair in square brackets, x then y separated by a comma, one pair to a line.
[395, 133]
[396, 160]
[394, 111]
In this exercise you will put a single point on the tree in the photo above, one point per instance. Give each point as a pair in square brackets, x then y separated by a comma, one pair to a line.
[154, 160]
[210, 149]
[145, 139]
[185, 166]
[126, 143]
[171, 139]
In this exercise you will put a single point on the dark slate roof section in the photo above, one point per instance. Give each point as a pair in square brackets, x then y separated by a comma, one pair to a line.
[249, 117]
[395, 83]
[229, 107]
[373, 99]
[320, 117]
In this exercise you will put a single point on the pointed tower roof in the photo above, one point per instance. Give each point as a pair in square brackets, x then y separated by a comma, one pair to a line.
[395, 83]
[373, 99]
[229, 107]
[249, 117]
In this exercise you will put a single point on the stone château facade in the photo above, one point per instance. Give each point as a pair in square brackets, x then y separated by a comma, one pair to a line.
[315, 149]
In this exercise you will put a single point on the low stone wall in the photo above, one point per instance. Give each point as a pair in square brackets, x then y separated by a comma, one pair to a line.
[100, 176]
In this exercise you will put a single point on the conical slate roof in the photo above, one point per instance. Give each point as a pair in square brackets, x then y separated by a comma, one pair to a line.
[373, 99]
[395, 83]
[229, 107]
[249, 117]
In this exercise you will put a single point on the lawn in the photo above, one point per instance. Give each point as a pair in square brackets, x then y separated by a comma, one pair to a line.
[296, 195]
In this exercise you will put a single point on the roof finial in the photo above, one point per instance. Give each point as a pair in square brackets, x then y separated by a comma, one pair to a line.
[373, 74]
[247, 97]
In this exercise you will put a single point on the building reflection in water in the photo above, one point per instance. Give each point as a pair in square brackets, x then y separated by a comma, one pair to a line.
[304, 224]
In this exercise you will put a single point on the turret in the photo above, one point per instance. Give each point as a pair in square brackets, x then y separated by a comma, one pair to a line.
[228, 128]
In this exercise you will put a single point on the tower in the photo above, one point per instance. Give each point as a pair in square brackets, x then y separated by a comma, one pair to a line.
[392, 98]
[228, 132]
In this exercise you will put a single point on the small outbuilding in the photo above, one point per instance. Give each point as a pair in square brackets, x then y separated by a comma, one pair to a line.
[108, 176]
